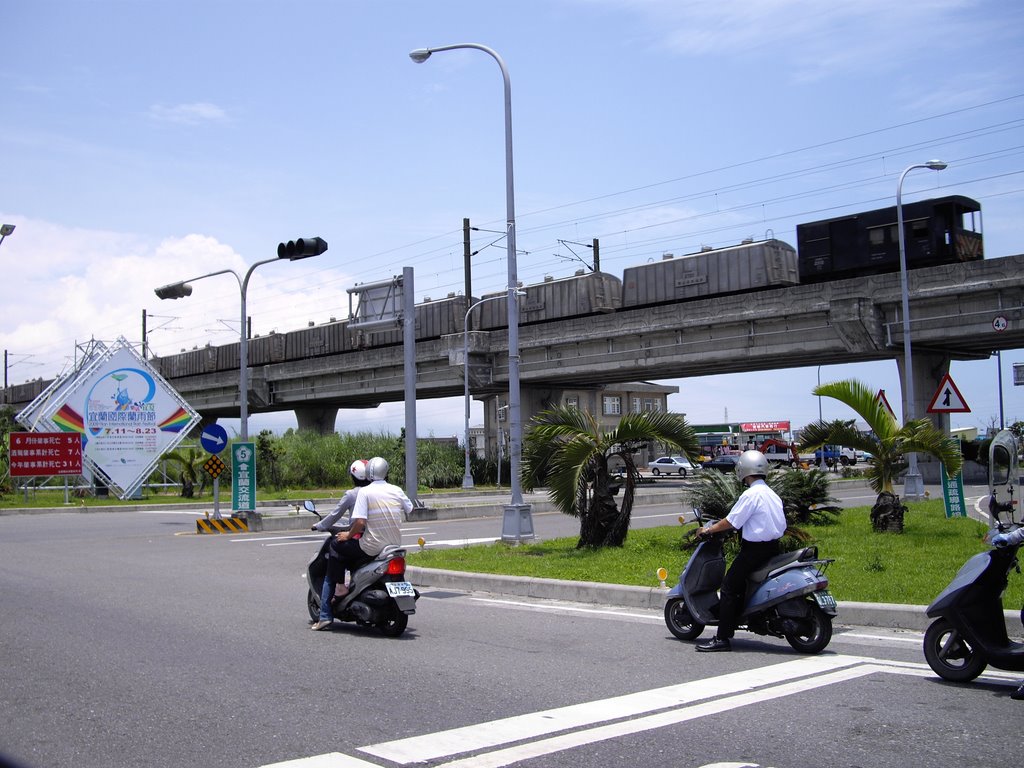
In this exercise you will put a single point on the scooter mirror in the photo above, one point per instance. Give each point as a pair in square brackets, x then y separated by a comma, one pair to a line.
[1003, 474]
[309, 506]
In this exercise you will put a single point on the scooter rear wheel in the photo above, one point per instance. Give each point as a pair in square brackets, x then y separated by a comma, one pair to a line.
[395, 625]
[679, 620]
[950, 655]
[815, 634]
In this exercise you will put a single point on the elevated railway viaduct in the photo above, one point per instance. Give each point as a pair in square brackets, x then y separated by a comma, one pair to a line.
[959, 311]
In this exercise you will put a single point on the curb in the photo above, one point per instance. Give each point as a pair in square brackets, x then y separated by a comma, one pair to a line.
[895, 616]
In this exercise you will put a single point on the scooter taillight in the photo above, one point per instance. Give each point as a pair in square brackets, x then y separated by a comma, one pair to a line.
[396, 566]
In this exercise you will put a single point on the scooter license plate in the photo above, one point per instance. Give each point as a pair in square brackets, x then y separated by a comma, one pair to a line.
[825, 599]
[400, 589]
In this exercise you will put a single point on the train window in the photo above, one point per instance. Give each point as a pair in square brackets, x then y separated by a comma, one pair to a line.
[876, 236]
[919, 229]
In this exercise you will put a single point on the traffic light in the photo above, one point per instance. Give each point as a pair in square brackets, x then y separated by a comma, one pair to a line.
[302, 248]
[174, 291]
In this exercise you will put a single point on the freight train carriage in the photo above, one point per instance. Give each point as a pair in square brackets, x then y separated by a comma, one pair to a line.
[585, 293]
[942, 230]
[749, 266]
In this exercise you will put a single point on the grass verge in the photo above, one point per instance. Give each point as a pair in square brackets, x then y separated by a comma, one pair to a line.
[908, 568]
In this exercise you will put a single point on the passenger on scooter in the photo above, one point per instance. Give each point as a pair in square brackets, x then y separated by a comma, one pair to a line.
[357, 471]
[1005, 540]
[376, 522]
[759, 516]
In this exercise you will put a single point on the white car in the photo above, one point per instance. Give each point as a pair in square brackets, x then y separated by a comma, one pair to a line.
[672, 465]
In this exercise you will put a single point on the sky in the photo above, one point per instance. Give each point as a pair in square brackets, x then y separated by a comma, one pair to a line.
[146, 142]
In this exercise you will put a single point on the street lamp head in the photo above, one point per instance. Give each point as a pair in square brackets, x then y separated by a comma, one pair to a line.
[6, 230]
[174, 291]
[420, 55]
[936, 165]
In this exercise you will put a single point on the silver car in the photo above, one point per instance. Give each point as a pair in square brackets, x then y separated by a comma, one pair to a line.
[672, 465]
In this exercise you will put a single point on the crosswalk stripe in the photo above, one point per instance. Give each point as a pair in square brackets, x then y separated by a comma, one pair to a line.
[536, 724]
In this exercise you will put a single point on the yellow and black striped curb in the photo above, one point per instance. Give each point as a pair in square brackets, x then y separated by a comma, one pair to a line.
[224, 525]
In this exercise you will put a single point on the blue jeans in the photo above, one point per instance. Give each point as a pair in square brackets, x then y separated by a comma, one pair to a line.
[325, 599]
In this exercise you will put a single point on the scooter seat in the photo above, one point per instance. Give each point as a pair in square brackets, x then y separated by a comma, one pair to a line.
[799, 555]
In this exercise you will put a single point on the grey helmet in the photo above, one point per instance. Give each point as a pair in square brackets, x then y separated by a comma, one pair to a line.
[377, 468]
[751, 463]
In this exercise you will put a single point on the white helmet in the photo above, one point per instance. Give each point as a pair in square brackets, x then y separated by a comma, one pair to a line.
[377, 468]
[751, 463]
[358, 470]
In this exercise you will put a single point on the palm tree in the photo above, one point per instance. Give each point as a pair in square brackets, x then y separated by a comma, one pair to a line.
[191, 462]
[888, 444]
[569, 451]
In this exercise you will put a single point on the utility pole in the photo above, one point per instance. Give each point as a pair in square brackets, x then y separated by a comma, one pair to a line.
[467, 267]
[597, 254]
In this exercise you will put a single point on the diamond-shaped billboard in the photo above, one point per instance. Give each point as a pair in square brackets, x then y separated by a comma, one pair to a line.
[127, 414]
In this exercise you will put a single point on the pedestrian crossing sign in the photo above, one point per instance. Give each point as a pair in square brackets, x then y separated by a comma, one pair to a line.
[947, 398]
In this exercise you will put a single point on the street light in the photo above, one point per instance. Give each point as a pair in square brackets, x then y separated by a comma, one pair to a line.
[5, 231]
[517, 522]
[292, 251]
[913, 484]
[467, 475]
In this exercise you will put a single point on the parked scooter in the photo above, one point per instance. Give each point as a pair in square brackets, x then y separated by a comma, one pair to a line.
[378, 595]
[969, 631]
[787, 597]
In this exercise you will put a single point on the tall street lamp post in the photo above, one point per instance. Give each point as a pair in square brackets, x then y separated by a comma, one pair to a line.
[913, 484]
[467, 475]
[303, 250]
[518, 523]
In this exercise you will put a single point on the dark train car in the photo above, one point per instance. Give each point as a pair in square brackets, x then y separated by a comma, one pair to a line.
[942, 230]
[585, 293]
[750, 266]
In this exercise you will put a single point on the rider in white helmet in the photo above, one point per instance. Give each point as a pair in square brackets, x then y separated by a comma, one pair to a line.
[759, 516]
[376, 522]
[357, 471]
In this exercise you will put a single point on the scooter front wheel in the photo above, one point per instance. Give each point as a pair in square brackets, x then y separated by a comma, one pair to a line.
[815, 632]
[950, 655]
[679, 620]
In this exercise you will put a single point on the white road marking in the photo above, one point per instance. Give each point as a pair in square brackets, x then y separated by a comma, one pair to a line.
[536, 724]
[460, 542]
[916, 639]
[550, 731]
[549, 608]
[566, 741]
[330, 760]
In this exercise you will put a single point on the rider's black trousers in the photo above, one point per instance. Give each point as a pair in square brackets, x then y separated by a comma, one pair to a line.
[752, 555]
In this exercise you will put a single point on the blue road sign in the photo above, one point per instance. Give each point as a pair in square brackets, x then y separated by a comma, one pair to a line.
[214, 438]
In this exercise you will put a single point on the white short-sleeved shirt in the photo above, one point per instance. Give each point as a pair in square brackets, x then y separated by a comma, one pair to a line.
[382, 506]
[758, 513]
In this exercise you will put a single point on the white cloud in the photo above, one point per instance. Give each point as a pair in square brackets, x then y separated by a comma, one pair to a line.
[815, 38]
[188, 114]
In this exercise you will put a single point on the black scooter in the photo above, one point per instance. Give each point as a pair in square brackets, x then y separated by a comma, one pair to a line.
[969, 631]
[378, 596]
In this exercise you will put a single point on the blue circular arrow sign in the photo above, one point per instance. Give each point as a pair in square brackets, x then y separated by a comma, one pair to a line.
[214, 438]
